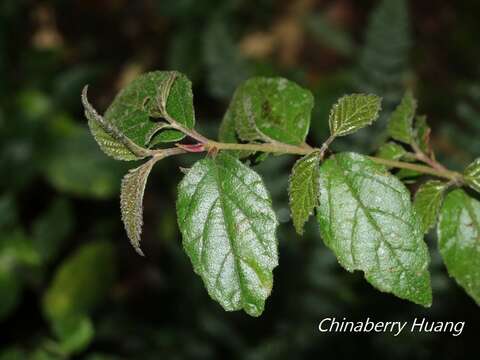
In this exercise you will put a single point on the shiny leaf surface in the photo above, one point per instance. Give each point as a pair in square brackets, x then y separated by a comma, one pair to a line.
[228, 227]
[459, 239]
[366, 218]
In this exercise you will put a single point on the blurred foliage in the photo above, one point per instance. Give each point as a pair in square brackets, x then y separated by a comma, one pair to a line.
[71, 286]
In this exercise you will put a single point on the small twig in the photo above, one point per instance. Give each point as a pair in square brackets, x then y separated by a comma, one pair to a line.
[445, 174]
[421, 156]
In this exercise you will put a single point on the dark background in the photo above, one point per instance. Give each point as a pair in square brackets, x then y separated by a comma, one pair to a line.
[59, 193]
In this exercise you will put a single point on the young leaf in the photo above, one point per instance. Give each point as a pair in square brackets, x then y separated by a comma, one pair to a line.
[303, 189]
[401, 121]
[228, 225]
[391, 151]
[128, 126]
[422, 135]
[472, 175]
[110, 139]
[353, 112]
[427, 203]
[367, 219]
[131, 202]
[272, 109]
[458, 237]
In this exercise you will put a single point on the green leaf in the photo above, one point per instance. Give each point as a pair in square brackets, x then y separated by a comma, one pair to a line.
[131, 200]
[81, 282]
[51, 229]
[366, 218]
[303, 189]
[472, 175]
[408, 175]
[16, 249]
[227, 132]
[8, 211]
[401, 121]
[353, 112]
[226, 68]
[10, 291]
[132, 109]
[427, 203]
[110, 139]
[391, 151]
[128, 124]
[458, 239]
[329, 35]
[228, 225]
[76, 166]
[272, 109]
[422, 135]
[75, 333]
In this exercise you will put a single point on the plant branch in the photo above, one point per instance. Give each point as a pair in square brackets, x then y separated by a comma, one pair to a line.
[421, 156]
[445, 174]
[300, 150]
[267, 147]
[211, 146]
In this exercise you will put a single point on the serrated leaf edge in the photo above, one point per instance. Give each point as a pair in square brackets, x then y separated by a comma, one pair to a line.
[132, 208]
[299, 226]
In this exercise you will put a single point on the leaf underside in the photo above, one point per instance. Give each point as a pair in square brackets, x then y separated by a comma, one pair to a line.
[459, 240]
[135, 113]
[303, 189]
[131, 202]
[366, 218]
[228, 226]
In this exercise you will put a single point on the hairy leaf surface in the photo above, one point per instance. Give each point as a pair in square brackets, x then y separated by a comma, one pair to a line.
[272, 109]
[422, 135]
[131, 202]
[366, 218]
[401, 121]
[228, 226]
[135, 115]
[303, 189]
[459, 240]
[428, 201]
[133, 107]
[353, 112]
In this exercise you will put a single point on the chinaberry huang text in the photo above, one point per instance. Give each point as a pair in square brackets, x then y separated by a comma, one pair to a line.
[332, 325]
